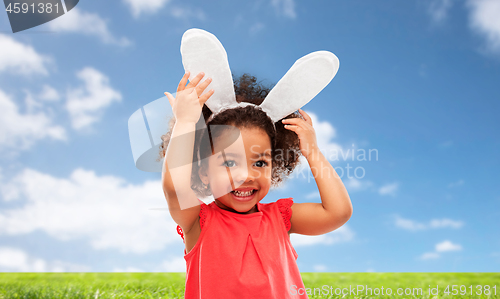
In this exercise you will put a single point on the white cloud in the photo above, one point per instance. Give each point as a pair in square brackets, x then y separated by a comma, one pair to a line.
[18, 58]
[444, 246]
[149, 7]
[484, 21]
[31, 104]
[354, 185]
[447, 246]
[16, 260]
[456, 184]
[174, 264]
[438, 10]
[409, 224]
[412, 225]
[257, 27]
[78, 21]
[285, 7]
[389, 189]
[105, 210]
[325, 132]
[187, 13]
[20, 131]
[128, 269]
[320, 268]
[49, 94]
[340, 235]
[87, 103]
[440, 223]
[312, 195]
[429, 256]
[138, 7]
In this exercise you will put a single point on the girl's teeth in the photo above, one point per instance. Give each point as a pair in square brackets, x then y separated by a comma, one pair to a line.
[247, 193]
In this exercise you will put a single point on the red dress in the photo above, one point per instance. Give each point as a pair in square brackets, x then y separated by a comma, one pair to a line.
[244, 255]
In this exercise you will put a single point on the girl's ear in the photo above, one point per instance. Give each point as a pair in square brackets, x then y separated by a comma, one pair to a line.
[202, 172]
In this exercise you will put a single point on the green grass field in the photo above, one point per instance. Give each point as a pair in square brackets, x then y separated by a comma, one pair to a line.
[171, 285]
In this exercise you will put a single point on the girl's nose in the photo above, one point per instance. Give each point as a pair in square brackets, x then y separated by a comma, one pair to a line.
[242, 175]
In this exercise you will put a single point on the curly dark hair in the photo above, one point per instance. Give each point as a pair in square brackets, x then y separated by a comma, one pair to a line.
[284, 143]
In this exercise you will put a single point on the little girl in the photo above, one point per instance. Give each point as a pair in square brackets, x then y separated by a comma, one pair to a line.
[237, 247]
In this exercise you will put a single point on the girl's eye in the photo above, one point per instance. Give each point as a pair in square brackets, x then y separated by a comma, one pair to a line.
[229, 163]
[261, 163]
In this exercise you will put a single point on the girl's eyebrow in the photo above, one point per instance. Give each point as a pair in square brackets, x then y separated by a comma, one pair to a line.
[266, 154]
[228, 154]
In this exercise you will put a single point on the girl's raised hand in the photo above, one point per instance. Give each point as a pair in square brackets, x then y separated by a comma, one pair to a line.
[304, 129]
[189, 99]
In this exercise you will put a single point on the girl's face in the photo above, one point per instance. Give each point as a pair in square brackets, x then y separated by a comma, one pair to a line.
[240, 175]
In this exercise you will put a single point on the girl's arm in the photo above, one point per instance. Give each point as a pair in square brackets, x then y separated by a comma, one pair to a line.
[335, 207]
[182, 202]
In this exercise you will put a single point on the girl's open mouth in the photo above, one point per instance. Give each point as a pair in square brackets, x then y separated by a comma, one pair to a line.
[243, 195]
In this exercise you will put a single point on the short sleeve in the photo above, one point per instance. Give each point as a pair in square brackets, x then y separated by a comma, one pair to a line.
[203, 215]
[285, 208]
[180, 232]
[203, 218]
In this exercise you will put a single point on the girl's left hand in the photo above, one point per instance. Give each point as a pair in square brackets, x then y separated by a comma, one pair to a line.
[304, 129]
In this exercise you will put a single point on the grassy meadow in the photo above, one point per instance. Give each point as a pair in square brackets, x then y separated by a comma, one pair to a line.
[319, 285]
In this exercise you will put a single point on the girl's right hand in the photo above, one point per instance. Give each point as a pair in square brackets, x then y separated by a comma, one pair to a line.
[188, 102]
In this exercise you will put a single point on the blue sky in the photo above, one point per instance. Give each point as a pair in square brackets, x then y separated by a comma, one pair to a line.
[417, 84]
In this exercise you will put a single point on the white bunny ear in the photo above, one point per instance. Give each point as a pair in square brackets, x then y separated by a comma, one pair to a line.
[303, 81]
[202, 52]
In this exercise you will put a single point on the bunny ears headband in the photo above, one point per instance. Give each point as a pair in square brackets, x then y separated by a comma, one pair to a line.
[202, 52]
